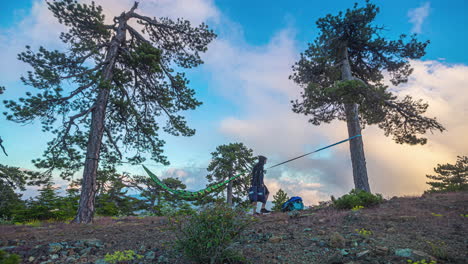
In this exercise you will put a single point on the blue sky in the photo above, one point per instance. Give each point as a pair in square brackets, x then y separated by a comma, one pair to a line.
[245, 90]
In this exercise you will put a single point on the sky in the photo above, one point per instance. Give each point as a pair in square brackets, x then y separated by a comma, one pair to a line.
[246, 93]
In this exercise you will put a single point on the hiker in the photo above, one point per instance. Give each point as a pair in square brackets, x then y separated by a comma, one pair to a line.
[259, 192]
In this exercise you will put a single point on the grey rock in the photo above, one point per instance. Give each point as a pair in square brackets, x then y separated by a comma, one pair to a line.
[150, 255]
[54, 256]
[404, 252]
[363, 253]
[55, 247]
[100, 261]
[93, 242]
[307, 229]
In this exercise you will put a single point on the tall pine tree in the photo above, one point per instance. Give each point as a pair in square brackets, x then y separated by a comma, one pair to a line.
[111, 87]
[341, 74]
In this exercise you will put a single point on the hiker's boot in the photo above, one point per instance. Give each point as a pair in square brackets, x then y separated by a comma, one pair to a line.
[264, 211]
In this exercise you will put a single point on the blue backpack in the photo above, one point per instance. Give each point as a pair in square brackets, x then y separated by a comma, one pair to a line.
[293, 204]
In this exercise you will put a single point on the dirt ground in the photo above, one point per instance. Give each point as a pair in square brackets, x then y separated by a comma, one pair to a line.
[431, 227]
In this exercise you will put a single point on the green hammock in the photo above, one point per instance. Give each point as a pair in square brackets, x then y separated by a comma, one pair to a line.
[188, 195]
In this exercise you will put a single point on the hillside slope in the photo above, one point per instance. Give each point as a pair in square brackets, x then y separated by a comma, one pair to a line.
[433, 227]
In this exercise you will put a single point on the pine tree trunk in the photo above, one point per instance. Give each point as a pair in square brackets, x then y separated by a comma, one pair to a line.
[86, 208]
[229, 194]
[356, 145]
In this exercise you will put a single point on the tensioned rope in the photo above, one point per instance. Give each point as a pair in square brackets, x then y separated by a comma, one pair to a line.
[189, 195]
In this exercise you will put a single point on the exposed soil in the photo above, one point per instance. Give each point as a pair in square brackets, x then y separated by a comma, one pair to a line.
[402, 228]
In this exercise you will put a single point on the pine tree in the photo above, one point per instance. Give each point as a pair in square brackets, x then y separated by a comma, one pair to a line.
[450, 177]
[155, 196]
[109, 89]
[341, 74]
[279, 199]
[227, 161]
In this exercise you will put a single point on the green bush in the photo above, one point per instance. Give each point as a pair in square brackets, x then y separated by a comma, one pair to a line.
[121, 256]
[7, 258]
[208, 235]
[357, 198]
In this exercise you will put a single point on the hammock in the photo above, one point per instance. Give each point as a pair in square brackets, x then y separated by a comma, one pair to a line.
[188, 195]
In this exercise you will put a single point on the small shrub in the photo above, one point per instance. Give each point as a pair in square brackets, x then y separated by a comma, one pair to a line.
[357, 198]
[438, 249]
[423, 261]
[357, 208]
[363, 232]
[208, 235]
[120, 256]
[7, 258]
[434, 214]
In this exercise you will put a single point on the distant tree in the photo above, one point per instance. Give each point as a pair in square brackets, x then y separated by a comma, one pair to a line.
[120, 81]
[10, 201]
[279, 199]
[341, 73]
[18, 178]
[155, 196]
[227, 161]
[112, 193]
[450, 177]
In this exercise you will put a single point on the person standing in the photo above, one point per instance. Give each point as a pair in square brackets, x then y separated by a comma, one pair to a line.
[258, 186]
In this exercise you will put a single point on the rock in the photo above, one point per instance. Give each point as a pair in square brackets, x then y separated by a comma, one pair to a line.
[321, 232]
[54, 256]
[420, 255]
[55, 247]
[337, 240]
[85, 251]
[322, 220]
[336, 258]
[100, 261]
[163, 259]
[150, 255]
[381, 251]
[390, 230]
[31, 259]
[344, 252]
[363, 253]
[404, 252]
[93, 242]
[275, 239]
[307, 229]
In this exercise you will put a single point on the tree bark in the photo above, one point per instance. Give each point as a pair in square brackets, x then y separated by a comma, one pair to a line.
[229, 193]
[86, 208]
[356, 145]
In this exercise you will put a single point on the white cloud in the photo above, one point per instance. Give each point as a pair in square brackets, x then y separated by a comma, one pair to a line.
[418, 15]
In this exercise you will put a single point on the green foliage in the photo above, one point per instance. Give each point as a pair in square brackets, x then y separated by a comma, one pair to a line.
[438, 249]
[357, 198]
[156, 198]
[357, 208]
[364, 232]
[279, 199]
[207, 236]
[7, 258]
[450, 177]
[147, 88]
[423, 261]
[352, 36]
[122, 256]
[227, 161]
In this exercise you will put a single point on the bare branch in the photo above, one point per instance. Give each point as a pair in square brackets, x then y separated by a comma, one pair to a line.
[109, 136]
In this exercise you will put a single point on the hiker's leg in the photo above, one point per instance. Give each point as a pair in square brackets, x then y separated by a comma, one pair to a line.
[266, 197]
[254, 207]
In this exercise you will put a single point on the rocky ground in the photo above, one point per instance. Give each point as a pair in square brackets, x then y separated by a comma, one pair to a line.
[431, 227]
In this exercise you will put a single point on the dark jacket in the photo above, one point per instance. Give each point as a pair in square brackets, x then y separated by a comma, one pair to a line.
[257, 174]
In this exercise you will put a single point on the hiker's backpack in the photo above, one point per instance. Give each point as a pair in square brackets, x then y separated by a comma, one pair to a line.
[293, 204]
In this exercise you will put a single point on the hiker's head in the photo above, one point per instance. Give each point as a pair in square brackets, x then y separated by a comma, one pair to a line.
[262, 159]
